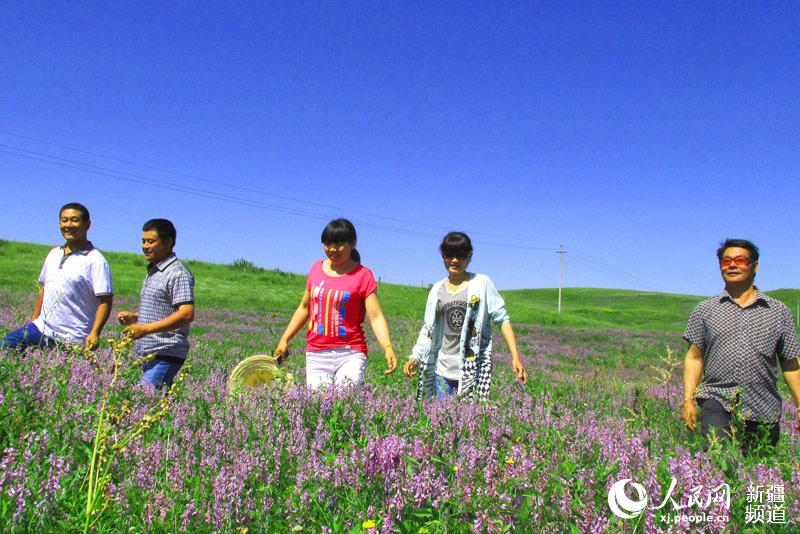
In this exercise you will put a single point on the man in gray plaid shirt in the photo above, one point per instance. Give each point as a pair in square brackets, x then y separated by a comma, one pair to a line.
[166, 306]
[736, 338]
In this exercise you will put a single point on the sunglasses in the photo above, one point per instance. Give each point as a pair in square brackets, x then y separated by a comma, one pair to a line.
[740, 261]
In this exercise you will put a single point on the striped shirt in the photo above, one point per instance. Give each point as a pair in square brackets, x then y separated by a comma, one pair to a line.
[166, 286]
[740, 347]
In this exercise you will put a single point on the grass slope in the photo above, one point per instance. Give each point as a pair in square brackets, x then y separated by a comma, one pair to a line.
[243, 286]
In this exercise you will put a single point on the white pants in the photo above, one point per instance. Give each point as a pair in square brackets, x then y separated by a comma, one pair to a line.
[341, 367]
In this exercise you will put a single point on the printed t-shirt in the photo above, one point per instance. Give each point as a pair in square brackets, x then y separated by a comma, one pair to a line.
[453, 308]
[336, 308]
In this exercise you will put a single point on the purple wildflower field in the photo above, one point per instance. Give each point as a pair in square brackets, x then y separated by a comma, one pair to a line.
[601, 406]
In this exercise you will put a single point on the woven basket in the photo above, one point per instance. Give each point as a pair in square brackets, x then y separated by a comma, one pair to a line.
[255, 371]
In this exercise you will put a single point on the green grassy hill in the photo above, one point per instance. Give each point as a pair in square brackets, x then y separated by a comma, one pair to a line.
[240, 285]
[592, 307]
[246, 287]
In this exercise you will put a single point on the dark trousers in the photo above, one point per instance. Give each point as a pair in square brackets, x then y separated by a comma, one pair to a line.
[714, 416]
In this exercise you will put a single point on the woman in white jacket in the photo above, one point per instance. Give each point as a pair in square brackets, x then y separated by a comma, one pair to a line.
[454, 348]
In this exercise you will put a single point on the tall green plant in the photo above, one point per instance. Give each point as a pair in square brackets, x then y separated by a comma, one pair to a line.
[109, 438]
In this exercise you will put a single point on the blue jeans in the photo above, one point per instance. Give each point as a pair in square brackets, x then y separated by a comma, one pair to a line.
[161, 371]
[444, 387]
[27, 336]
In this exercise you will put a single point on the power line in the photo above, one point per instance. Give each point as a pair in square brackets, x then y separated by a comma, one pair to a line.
[33, 155]
[135, 178]
[615, 273]
[618, 272]
[243, 188]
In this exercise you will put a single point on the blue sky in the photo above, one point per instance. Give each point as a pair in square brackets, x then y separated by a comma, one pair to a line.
[639, 135]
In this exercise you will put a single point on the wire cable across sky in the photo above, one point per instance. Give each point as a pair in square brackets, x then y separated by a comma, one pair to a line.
[378, 222]
[241, 188]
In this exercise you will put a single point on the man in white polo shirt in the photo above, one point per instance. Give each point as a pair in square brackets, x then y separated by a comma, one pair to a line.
[75, 292]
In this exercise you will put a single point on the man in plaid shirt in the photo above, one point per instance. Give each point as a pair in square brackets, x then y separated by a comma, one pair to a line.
[736, 339]
[166, 306]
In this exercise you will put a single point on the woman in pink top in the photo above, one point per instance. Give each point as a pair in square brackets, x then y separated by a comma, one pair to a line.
[340, 292]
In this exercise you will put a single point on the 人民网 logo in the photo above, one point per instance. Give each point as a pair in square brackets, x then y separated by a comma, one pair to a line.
[623, 506]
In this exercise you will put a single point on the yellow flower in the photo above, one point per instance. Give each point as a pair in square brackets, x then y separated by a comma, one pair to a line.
[509, 460]
[455, 468]
[368, 524]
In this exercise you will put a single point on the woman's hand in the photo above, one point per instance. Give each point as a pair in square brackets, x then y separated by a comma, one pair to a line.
[281, 351]
[299, 318]
[516, 363]
[519, 370]
[410, 368]
[381, 329]
[391, 360]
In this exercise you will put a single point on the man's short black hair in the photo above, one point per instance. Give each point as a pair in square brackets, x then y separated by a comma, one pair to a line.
[738, 243]
[75, 206]
[163, 227]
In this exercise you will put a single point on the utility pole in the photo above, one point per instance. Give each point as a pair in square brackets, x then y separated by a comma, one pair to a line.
[560, 253]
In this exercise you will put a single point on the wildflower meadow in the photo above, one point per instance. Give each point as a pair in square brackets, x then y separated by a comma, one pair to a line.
[86, 448]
